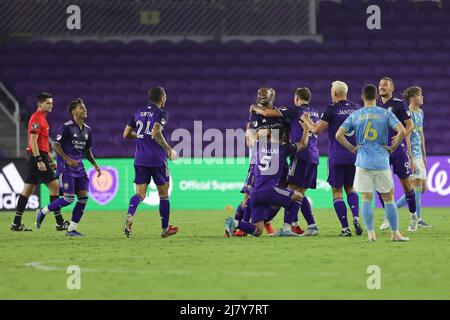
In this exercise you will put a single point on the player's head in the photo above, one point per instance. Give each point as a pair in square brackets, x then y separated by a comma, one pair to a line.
[157, 96]
[414, 96]
[339, 90]
[265, 97]
[386, 87]
[77, 109]
[302, 96]
[45, 101]
[369, 95]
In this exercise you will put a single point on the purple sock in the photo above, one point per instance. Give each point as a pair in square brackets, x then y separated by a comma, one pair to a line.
[164, 211]
[134, 203]
[341, 212]
[353, 203]
[411, 199]
[247, 212]
[59, 203]
[271, 213]
[239, 213]
[307, 211]
[78, 210]
[247, 227]
[381, 199]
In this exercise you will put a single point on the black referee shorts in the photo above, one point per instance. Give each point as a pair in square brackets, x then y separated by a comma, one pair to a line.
[34, 175]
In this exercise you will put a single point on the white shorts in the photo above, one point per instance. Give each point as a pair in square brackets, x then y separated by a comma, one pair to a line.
[421, 171]
[373, 180]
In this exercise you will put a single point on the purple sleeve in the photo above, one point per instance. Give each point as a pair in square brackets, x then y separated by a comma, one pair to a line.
[327, 115]
[61, 134]
[132, 123]
[162, 118]
[287, 112]
[291, 149]
[402, 112]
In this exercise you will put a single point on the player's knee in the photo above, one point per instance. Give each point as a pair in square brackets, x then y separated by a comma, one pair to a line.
[337, 194]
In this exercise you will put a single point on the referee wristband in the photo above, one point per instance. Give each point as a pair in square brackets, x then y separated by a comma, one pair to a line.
[38, 158]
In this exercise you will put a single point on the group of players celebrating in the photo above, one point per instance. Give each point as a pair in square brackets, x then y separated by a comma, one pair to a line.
[364, 142]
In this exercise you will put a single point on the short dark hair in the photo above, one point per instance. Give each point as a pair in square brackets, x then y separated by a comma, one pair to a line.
[411, 92]
[155, 94]
[370, 92]
[388, 79]
[304, 94]
[41, 97]
[75, 103]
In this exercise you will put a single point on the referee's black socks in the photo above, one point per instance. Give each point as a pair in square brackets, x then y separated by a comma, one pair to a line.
[21, 204]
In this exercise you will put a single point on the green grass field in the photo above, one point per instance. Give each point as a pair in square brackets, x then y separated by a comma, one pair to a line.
[198, 263]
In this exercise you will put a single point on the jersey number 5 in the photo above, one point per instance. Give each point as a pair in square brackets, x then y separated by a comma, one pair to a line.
[140, 126]
[265, 163]
[370, 133]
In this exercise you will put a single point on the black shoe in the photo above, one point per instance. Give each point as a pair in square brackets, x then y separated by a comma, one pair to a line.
[358, 228]
[62, 227]
[19, 228]
[346, 233]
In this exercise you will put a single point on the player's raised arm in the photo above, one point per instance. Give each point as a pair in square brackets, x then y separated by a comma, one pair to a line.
[268, 113]
[315, 128]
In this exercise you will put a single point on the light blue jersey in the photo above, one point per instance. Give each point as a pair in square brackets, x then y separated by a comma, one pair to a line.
[371, 125]
[416, 141]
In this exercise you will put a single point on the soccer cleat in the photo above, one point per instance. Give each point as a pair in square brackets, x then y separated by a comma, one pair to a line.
[297, 230]
[385, 225]
[39, 218]
[285, 233]
[346, 233]
[74, 233]
[358, 228]
[239, 233]
[413, 223]
[229, 227]
[19, 228]
[171, 230]
[127, 227]
[314, 231]
[64, 226]
[423, 224]
[269, 229]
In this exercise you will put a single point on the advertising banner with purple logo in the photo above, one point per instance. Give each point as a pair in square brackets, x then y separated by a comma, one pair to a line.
[438, 183]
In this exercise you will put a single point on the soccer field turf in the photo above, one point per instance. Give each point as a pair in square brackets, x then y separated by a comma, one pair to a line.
[199, 263]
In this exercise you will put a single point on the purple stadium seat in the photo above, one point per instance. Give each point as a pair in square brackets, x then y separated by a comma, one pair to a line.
[405, 44]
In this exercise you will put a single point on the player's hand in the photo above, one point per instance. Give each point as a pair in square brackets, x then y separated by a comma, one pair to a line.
[252, 108]
[72, 163]
[172, 155]
[305, 116]
[99, 171]
[413, 166]
[53, 164]
[304, 125]
[390, 149]
[41, 166]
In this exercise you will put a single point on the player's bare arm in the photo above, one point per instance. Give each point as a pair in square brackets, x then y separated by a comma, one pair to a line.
[90, 157]
[424, 149]
[52, 162]
[60, 152]
[401, 133]
[250, 136]
[269, 113]
[315, 128]
[159, 137]
[35, 151]
[129, 133]
[340, 137]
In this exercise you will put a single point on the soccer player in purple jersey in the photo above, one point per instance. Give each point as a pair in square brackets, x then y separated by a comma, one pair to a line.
[341, 162]
[150, 160]
[73, 140]
[303, 170]
[265, 193]
[399, 159]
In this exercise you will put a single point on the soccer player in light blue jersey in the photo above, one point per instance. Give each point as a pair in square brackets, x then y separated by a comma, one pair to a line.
[371, 125]
[416, 150]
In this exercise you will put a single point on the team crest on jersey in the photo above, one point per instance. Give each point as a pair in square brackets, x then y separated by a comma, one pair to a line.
[103, 189]
[163, 121]
[408, 113]
[35, 125]
[58, 137]
[255, 124]
[86, 136]
[66, 186]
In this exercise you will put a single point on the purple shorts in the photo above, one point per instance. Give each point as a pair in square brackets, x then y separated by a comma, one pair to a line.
[261, 201]
[340, 175]
[250, 179]
[303, 174]
[144, 175]
[400, 165]
[71, 185]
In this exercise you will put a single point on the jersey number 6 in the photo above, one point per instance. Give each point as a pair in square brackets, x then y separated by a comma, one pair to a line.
[370, 133]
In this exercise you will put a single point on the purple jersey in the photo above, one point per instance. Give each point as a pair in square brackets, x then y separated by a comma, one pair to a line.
[292, 114]
[74, 142]
[335, 115]
[148, 151]
[271, 164]
[402, 113]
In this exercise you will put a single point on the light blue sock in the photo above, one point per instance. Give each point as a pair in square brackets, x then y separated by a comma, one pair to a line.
[390, 209]
[367, 213]
[401, 202]
[418, 192]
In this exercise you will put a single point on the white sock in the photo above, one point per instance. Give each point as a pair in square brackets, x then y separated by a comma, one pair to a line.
[311, 226]
[236, 223]
[295, 224]
[45, 210]
[72, 226]
[286, 227]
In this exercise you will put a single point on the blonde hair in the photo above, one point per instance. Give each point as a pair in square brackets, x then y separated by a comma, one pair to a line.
[341, 88]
